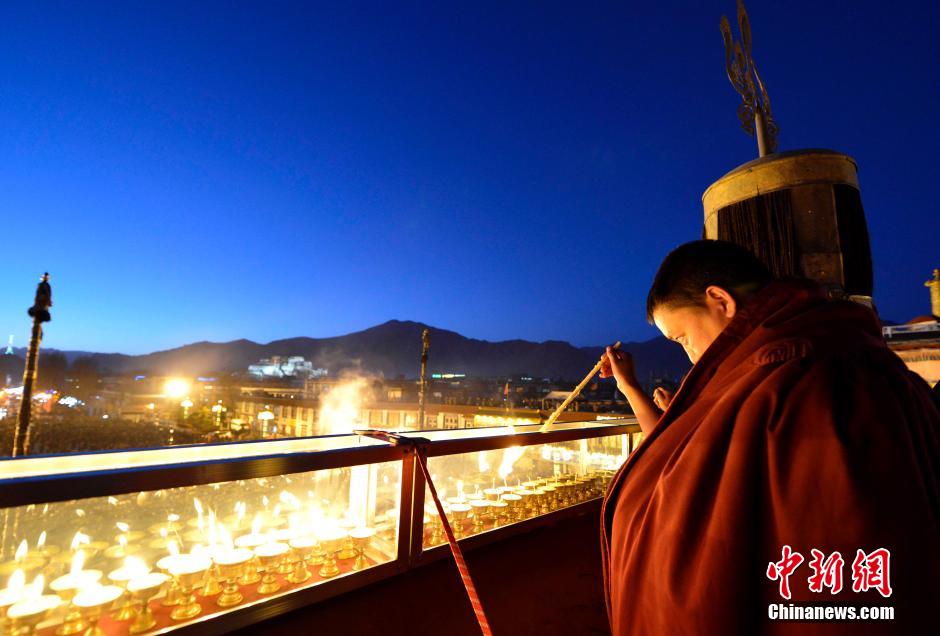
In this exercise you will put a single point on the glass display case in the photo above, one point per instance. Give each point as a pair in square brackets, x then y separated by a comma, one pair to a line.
[141, 541]
[493, 480]
[204, 539]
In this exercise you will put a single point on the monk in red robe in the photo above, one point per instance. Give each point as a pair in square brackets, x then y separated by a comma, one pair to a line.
[797, 465]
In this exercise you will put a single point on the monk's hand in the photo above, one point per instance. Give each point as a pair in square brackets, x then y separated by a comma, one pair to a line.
[619, 364]
[662, 397]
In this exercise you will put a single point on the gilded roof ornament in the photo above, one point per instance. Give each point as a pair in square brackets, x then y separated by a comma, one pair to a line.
[754, 112]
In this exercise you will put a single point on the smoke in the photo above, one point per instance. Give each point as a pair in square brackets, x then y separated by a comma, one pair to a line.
[341, 407]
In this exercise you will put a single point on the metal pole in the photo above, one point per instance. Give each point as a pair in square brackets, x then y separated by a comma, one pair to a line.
[760, 131]
[422, 387]
[40, 314]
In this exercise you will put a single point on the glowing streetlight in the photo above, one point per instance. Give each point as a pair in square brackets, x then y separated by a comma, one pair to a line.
[218, 409]
[186, 404]
[265, 416]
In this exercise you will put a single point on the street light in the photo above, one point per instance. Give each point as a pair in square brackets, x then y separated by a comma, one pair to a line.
[265, 416]
[176, 388]
[218, 409]
[186, 404]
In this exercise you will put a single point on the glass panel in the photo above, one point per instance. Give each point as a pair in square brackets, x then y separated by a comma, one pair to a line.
[61, 464]
[496, 431]
[172, 556]
[485, 490]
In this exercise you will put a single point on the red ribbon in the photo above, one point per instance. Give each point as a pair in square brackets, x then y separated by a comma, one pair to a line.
[455, 550]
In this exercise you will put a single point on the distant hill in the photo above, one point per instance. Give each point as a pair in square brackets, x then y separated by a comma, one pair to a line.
[394, 348]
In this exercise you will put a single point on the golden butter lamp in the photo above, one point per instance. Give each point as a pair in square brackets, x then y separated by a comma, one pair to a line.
[67, 586]
[301, 547]
[27, 613]
[141, 590]
[270, 555]
[361, 538]
[120, 577]
[460, 512]
[481, 508]
[331, 542]
[499, 510]
[231, 563]
[93, 602]
[187, 570]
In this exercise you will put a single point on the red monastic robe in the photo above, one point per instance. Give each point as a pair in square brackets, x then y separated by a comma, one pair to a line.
[797, 427]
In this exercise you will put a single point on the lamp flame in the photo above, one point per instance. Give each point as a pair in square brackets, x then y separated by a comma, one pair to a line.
[17, 580]
[78, 562]
[224, 537]
[79, 540]
[36, 587]
[135, 567]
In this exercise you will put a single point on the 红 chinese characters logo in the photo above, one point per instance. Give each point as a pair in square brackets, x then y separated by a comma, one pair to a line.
[870, 571]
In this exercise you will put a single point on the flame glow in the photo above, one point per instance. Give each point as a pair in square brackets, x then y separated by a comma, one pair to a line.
[224, 537]
[79, 540]
[21, 551]
[510, 456]
[17, 580]
[135, 567]
[36, 587]
[78, 562]
[198, 506]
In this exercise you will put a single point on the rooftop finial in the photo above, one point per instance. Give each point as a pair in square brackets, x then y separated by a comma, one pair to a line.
[934, 286]
[754, 113]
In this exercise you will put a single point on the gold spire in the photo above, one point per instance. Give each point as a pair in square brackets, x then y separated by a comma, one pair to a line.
[934, 286]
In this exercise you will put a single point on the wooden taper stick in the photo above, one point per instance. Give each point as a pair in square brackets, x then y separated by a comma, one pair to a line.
[577, 390]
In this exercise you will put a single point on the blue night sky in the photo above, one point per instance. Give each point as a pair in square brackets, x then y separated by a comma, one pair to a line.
[210, 171]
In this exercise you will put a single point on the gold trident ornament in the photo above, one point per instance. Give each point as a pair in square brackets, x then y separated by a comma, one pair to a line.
[754, 113]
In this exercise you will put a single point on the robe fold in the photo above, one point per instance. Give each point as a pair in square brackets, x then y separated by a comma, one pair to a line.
[797, 427]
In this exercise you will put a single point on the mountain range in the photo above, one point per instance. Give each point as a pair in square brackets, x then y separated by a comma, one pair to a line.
[393, 349]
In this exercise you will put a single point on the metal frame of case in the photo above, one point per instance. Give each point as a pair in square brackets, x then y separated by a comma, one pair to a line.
[20, 491]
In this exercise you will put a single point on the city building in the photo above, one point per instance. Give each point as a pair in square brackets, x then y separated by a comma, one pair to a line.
[285, 367]
[917, 343]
